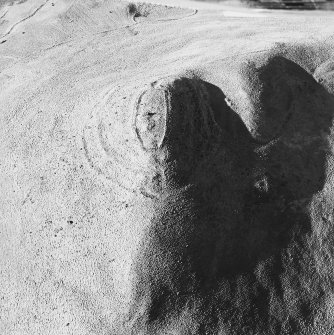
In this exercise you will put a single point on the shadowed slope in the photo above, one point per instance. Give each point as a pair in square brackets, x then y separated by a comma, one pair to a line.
[242, 212]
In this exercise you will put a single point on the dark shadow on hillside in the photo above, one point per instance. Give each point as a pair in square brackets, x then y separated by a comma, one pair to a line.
[240, 208]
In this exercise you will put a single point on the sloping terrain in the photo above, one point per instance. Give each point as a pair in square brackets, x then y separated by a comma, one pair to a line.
[165, 170]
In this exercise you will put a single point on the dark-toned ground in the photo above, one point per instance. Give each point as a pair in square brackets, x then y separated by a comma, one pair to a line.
[280, 4]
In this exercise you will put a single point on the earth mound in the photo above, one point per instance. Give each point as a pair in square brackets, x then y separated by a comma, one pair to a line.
[165, 170]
